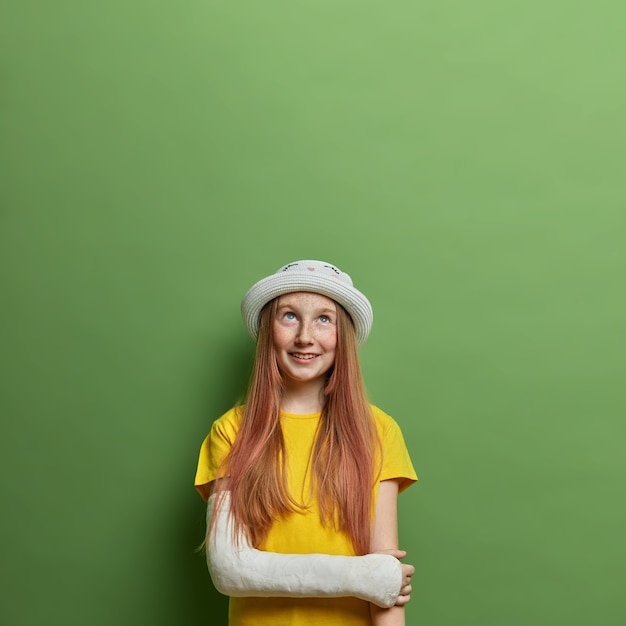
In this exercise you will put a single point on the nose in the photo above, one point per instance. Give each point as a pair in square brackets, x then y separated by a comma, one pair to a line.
[305, 334]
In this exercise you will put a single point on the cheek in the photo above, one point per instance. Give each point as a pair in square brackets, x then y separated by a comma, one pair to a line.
[329, 341]
[280, 335]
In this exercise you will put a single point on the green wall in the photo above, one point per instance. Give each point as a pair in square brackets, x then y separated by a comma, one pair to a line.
[464, 161]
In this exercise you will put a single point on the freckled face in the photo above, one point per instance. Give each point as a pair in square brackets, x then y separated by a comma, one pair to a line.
[305, 336]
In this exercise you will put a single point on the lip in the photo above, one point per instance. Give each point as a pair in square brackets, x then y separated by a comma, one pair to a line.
[310, 357]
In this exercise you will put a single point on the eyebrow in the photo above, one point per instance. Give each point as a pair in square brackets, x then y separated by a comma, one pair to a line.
[318, 311]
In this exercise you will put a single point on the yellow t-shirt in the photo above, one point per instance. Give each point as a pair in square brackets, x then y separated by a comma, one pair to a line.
[302, 533]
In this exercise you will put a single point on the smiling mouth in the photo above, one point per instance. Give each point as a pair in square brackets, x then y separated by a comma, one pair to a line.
[302, 356]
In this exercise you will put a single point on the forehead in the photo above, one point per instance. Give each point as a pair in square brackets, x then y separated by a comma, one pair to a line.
[304, 299]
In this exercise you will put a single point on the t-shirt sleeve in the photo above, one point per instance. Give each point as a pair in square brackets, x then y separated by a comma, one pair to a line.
[214, 450]
[396, 461]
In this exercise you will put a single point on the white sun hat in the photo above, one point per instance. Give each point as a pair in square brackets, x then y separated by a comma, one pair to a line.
[313, 276]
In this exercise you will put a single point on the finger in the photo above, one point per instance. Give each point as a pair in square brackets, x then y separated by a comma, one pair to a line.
[402, 600]
[406, 590]
[398, 554]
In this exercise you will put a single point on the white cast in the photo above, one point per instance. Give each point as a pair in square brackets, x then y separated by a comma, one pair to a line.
[239, 570]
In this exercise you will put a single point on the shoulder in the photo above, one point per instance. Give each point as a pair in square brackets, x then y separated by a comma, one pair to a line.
[396, 461]
[384, 422]
[228, 423]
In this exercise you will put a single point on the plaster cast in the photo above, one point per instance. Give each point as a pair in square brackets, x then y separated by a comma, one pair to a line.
[239, 570]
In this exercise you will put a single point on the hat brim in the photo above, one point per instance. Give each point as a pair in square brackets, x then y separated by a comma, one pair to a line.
[351, 299]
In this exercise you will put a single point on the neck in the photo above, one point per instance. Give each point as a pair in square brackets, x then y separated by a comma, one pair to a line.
[302, 398]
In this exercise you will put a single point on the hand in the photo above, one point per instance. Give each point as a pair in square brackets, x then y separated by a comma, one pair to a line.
[407, 573]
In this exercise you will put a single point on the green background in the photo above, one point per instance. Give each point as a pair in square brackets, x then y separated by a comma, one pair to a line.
[464, 161]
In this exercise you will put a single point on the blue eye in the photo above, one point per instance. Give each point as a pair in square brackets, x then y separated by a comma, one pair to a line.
[324, 319]
[290, 316]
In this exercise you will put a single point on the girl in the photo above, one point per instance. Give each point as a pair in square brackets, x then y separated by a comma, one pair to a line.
[302, 481]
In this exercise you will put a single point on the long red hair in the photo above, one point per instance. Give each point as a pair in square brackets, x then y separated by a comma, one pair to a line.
[344, 453]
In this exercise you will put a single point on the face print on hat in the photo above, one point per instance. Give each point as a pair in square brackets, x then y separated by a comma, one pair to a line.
[315, 266]
[305, 337]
